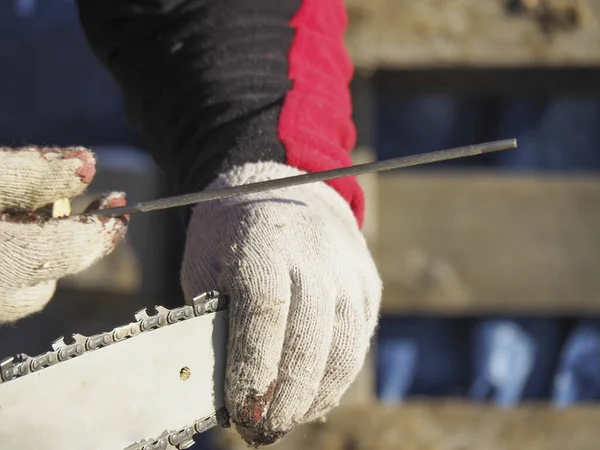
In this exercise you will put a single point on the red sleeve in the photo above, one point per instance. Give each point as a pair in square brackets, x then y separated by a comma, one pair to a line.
[315, 126]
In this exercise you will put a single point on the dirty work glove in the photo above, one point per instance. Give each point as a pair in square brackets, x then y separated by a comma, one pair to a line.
[304, 293]
[36, 250]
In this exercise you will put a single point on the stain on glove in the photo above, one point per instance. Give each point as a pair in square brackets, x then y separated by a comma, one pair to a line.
[304, 291]
[35, 249]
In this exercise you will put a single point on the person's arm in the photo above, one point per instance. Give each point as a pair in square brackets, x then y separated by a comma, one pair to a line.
[229, 92]
[213, 84]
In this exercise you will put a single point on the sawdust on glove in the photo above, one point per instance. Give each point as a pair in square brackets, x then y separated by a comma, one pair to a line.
[35, 249]
[305, 297]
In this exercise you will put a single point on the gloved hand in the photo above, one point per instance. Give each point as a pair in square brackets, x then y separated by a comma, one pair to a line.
[304, 292]
[36, 250]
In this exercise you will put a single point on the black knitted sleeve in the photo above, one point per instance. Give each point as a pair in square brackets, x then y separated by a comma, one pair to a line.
[203, 80]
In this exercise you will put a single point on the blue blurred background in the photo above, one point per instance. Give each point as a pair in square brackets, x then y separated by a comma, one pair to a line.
[501, 359]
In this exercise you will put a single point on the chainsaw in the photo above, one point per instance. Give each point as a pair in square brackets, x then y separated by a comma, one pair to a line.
[158, 381]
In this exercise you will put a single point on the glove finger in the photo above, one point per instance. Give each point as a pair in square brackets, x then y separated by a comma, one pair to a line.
[18, 303]
[261, 294]
[346, 356]
[308, 337]
[39, 251]
[32, 177]
[356, 319]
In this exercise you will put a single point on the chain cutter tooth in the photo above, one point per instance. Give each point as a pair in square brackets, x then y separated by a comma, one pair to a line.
[59, 343]
[79, 338]
[141, 314]
[207, 303]
[147, 322]
[15, 366]
[161, 310]
[66, 351]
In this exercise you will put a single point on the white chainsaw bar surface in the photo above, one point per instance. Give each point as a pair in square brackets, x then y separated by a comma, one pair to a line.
[113, 397]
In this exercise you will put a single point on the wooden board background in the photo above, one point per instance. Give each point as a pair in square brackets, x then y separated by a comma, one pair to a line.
[449, 425]
[460, 243]
[397, 34]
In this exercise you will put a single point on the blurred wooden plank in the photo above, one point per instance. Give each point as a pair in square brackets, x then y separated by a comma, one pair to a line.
[443, 426]
[393, 34]
[460, 243]
[530, 82]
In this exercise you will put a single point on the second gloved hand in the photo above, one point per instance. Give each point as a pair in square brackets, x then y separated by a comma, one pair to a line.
[304, 291]
[36, 251]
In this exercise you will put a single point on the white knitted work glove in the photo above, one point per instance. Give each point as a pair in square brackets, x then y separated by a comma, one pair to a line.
[304, 291]
[36, 250]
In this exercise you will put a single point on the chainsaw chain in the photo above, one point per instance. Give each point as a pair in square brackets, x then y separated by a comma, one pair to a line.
[183, 438]
[210, 302]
